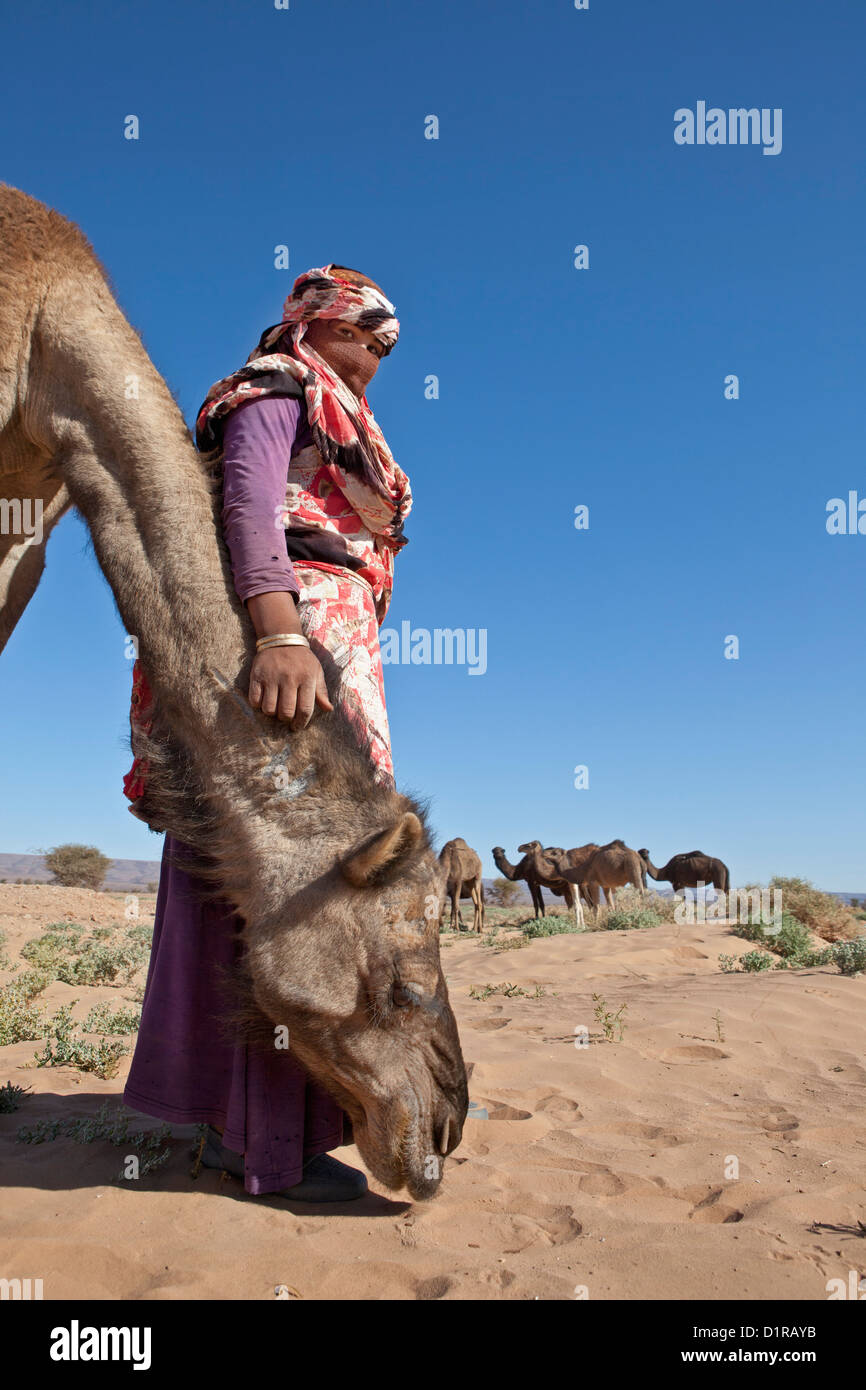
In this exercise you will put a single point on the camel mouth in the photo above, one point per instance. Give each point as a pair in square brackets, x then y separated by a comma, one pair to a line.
[403, 1150]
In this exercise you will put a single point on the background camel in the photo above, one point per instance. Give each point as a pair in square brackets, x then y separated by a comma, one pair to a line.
[688, 870]
[461, 868]
[546, 864]
[610, 867]
[332, 872]
[525, 870]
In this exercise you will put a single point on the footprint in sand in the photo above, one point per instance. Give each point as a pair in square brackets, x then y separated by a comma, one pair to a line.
[779, 1121]
[561, 1108]
[713, 1212]
[694, 1052]
[488, 1025]
[427, 1290]
[510, 1223]
[498, 1110]
[604, 1184]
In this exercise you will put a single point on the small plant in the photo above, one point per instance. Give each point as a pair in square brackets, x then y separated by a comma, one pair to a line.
[508, 990]
[849, 957]
[717, 1020]
[729, 965]
[112, 1127]
[103, 1019]
[64, 954]
[754, 961]
[20, 1020]
[628, 919]
[549, 926]
[611, 1023]
[515, 943]
[33, 982]
[11, 1097]
[64, 1049]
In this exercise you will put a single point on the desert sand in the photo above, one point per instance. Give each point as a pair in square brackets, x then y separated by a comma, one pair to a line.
[601, 1171]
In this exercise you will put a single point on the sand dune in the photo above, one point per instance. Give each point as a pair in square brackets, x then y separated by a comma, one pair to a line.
[600, 1168]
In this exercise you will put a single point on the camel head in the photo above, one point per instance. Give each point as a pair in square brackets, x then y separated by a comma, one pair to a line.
[529, 847]
[358, 984]
[556, 855]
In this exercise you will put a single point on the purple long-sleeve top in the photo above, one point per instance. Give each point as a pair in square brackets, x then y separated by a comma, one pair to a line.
[259, 439]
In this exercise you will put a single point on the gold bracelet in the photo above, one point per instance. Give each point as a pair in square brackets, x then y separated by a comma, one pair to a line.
[281, 639]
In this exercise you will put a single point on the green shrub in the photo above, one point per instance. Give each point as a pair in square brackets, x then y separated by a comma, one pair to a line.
[63, 1048]
[850, 956]
[549, 926]
[20, 1021]
[77, 866]
[103, 1019]
[754, 961]
[112, 1127]
[827, 916]
[11, 1097]
[64, 954]
[627, 919]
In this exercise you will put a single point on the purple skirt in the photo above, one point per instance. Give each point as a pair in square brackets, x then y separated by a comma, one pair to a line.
[187, 1070]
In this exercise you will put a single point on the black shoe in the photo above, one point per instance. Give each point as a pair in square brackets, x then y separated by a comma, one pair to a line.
[325, 1179]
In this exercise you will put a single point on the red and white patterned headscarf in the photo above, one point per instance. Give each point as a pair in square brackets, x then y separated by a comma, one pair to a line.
[341, 423]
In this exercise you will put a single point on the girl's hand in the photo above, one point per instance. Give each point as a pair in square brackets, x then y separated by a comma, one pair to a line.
[288, 682]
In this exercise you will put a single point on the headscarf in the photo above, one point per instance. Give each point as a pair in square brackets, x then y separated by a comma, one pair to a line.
[342, 425]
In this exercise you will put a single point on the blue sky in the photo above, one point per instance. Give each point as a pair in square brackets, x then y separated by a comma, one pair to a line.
[558, 387]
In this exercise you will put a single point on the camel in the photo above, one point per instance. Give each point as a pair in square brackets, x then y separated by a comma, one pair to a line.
[609, 867]
[546, 865]
[524, 870]
[331, 870]
[689, 869]
[516, 872]
[461, 868]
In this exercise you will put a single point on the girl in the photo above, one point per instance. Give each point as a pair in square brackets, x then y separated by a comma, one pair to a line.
[312, 514]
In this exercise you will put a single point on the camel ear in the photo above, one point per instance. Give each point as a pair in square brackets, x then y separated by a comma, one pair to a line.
[398, 840]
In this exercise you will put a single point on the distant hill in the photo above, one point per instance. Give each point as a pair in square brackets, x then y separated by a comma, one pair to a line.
[123, 876]
[134, 875]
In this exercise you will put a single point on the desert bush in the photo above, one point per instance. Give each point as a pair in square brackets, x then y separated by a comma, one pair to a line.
[850, 956]
[103, 1019]
[95, 960]
[111, 1127]
[754, 961]
[77, 866]
[502, 892]
[20, 1020]
[549, 926]
[626, 919]
[63, 1048]
[11, 1097]
[827, 916]
[789, 938]
[33, 982]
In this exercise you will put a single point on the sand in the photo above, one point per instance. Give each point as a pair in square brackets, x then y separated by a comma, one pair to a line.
[602, 1171]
